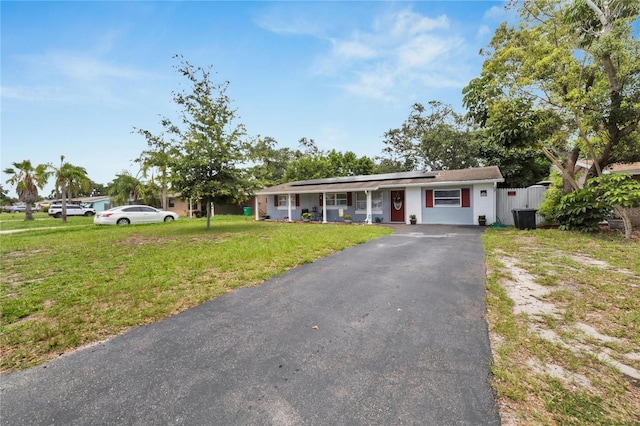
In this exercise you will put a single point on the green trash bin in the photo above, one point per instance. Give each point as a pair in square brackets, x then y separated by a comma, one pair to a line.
[247, 211]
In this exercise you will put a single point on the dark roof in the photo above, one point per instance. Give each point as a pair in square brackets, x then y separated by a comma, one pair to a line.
[389, 180]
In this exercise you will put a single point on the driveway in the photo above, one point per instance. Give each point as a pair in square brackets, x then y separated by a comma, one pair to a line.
[390, 332]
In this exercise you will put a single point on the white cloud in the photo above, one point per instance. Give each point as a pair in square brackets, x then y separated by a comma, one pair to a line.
[281, 21]
[408, 23]
[422, 50]
[79, 67]
[78, 77]
[374, 84]
[495, 13]
[391, 58]
[352, 49]
[483, 30]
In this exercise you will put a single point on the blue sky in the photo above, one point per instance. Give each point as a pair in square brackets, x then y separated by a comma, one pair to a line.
[76, 77]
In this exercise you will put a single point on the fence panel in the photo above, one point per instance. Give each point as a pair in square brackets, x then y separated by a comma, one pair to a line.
[518, 198]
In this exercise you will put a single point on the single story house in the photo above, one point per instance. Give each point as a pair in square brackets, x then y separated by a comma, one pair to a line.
[434, 197]
[99, 203]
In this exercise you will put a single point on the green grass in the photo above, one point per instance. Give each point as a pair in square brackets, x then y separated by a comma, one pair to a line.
[14, 221]
[605, 297]
[73, 285]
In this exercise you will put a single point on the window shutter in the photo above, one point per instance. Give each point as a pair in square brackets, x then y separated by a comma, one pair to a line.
[320, 199]
[466, 197]
[275, 200]
[349, 199]
[429, 197]
[297, 200]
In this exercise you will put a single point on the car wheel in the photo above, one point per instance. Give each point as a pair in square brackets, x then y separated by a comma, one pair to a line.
[123, 221]
[168, 219]
[88, 214]
[57, 215]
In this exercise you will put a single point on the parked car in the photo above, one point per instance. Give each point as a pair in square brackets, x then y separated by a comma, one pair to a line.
[125, 215]
[55, 210]
[17, 208]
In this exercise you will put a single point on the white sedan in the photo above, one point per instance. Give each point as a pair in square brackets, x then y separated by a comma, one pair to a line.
[125, 215]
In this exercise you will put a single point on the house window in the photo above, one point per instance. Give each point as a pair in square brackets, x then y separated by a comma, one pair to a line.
[337, 199]
[376, 202]
[172, 202]
[282, 201]
[446, 198]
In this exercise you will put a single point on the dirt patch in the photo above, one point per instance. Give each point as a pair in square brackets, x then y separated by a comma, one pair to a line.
[137, 240]
[527, 295]
[27, 253]
[545, 316]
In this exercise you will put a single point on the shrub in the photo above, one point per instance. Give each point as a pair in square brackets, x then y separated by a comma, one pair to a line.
[551, 201]
[579, 211]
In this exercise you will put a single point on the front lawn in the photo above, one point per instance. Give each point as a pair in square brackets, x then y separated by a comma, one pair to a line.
[74, 285]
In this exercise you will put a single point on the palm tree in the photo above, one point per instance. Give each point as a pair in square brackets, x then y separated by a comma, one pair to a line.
[124, 189]
[156, 159]
[28, 180]
[70, 180]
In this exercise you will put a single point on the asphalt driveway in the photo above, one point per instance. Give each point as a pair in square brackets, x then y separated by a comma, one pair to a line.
[390, 332]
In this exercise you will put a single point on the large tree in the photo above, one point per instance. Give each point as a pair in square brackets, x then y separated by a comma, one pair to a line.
[206, 163]
[433, 138]
[566, 81]
[268, 162]
[28, 180]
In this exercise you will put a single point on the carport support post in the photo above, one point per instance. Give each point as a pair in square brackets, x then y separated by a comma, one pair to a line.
[324, 207]
[289, 206]
[257, 205]
[368, 220]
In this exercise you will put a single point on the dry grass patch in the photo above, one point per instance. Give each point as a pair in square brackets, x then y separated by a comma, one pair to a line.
[565, 327]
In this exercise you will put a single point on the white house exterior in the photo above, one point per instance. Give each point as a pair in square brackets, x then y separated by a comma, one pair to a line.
[434, 197]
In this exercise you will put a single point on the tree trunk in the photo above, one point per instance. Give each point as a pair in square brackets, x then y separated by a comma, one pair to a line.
[208, 214]
[628, 226]
[64, 203]
[28, 214]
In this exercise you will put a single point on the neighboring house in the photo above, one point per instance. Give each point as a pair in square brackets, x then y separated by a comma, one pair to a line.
[99, 203]
[434, 197]
[632, 168]
[198, 209]
[583, 166]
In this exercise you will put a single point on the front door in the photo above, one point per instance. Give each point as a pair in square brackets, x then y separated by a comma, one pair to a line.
[397, 206]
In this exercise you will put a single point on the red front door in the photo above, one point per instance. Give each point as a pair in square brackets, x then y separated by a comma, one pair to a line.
[397, 206]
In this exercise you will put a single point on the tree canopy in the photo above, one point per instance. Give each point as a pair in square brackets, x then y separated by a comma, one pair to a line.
[124, 189]
[268, 162]
[155, 162]
[566, 81]
[437, 138]
[28, 179]
[313, 163]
